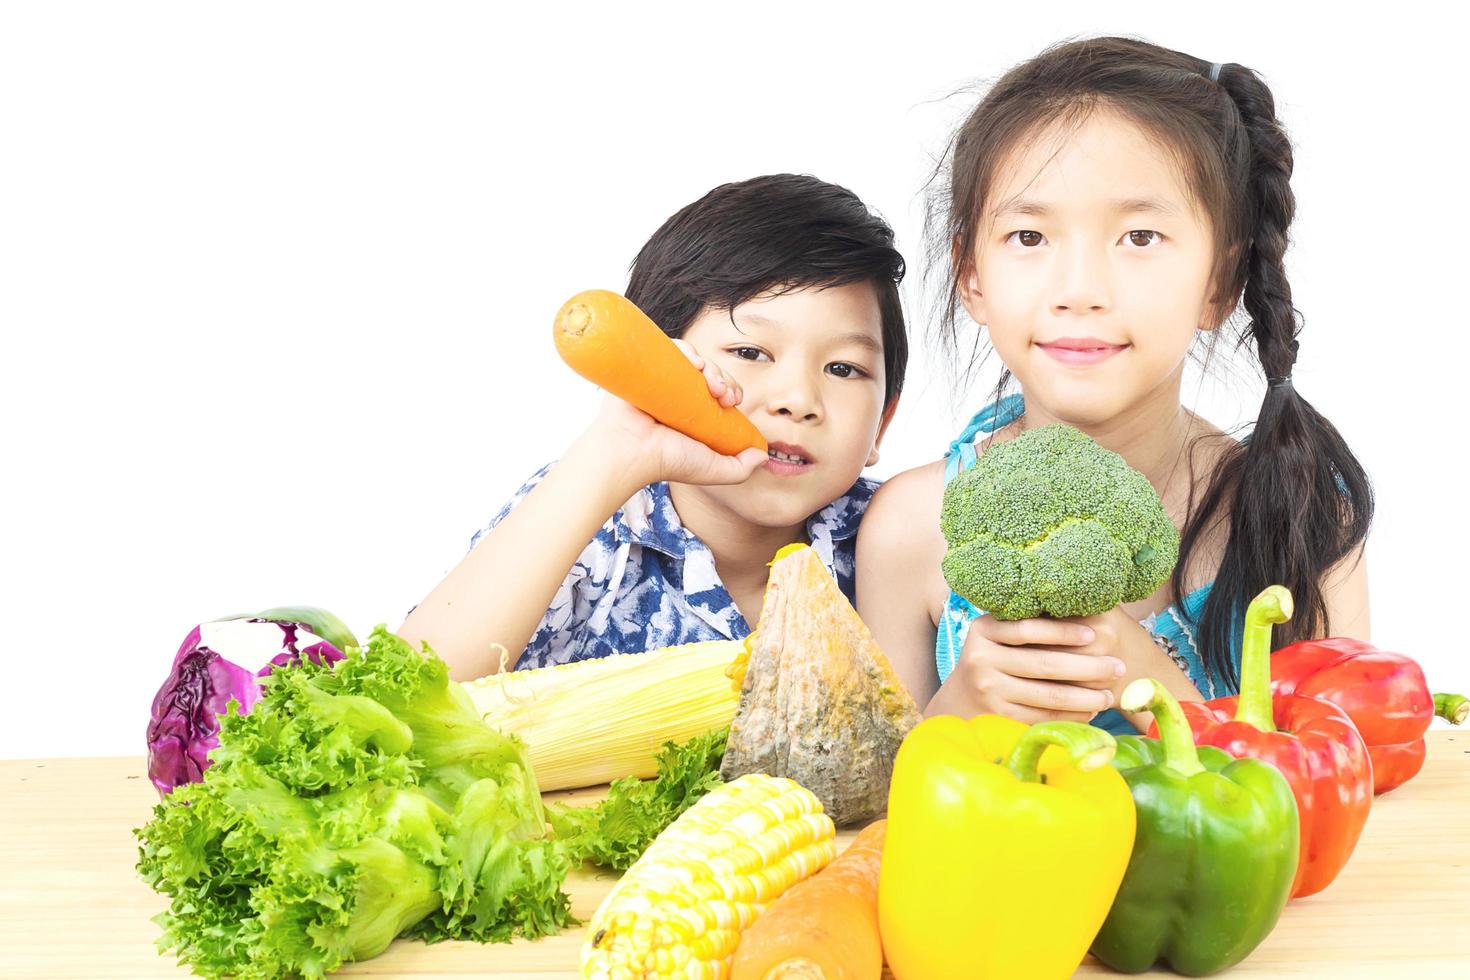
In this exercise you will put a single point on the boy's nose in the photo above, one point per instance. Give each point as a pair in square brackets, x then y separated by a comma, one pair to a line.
[795, 395]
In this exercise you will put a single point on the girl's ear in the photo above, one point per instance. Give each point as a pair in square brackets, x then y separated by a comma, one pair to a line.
[967, 283]
[1219, 307]
[882, 428]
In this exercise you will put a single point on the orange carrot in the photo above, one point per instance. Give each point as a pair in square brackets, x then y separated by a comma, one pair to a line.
[824, 928]
[612, 343]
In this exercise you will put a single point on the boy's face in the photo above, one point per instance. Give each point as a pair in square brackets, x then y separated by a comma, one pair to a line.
[1091, 269]
[810, 363]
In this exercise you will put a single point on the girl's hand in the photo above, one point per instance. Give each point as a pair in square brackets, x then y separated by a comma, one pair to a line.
[646, 451]
[1118, 636]
[1031, 670]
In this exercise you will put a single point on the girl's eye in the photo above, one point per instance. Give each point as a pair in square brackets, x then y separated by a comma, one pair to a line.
[749, 353]
[844, 370]
[1029, 239]
[1144, 238]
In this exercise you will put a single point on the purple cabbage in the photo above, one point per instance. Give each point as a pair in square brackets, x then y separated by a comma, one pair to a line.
[184, 726]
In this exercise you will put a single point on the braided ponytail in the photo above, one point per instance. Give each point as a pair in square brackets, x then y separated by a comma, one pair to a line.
[1295, 499]
[1298, 500]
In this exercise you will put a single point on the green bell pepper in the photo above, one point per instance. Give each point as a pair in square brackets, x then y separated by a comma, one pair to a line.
[1215, 852]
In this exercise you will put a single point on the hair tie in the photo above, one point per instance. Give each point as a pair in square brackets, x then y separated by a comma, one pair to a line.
[1280, 382]
[1215, 71]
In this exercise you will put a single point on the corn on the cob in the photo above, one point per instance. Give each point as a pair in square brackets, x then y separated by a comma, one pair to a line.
[679, 910]
[594, 721]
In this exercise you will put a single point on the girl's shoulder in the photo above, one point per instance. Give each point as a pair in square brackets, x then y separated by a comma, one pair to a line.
[901, 525]
[913, 493]
[900, 548]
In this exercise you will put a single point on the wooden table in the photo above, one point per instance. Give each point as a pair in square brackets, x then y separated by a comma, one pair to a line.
[72, 906]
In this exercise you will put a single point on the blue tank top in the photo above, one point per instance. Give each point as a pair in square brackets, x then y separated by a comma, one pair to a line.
[1174, 626]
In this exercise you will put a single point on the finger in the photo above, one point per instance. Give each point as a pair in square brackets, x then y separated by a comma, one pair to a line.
[1055, 696]
[714, 379]
[717, 470]
[752, 459]
[1042, 663]
[690, 352]
[1034, 716]
[1044, 632]
[737, 393]
[725, 388]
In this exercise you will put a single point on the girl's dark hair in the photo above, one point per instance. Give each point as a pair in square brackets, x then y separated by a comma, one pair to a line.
[1296, 498]
[779, 232]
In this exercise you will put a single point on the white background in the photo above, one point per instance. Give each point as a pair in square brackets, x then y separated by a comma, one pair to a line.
[276, 281]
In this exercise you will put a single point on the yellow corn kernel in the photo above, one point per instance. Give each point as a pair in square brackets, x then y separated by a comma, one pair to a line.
[594, 721]
[681, 907]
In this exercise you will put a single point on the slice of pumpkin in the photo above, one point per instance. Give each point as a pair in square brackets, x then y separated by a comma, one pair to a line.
[819, 702]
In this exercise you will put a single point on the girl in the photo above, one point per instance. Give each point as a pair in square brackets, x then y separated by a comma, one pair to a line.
[1110, 203]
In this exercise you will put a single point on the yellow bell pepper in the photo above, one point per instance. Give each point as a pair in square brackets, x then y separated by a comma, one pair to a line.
[1006, 845]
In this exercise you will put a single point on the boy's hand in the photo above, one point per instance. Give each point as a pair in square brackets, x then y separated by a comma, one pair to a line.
[1031, 670]
[647, 451]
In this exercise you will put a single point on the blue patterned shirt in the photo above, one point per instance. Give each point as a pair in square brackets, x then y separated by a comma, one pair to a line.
[645, 581]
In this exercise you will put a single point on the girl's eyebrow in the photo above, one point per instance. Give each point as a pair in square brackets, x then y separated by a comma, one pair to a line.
[1130, 205]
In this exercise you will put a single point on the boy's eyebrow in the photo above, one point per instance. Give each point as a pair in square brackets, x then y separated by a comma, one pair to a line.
[1129, 205]
[856, 338]
[863, 340]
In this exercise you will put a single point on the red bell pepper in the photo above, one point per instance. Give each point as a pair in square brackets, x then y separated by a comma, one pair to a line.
[1313, 742]
[1383, 693]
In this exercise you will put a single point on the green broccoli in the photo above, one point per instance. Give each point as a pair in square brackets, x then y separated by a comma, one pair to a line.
[1050, 523]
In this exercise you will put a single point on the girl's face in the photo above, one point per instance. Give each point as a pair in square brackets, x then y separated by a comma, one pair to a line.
[810, 363]
[1091, 269]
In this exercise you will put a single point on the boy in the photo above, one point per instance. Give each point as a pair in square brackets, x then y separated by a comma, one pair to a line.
[783, 290]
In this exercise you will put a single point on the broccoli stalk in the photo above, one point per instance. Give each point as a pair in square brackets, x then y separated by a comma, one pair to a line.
[1052, 524]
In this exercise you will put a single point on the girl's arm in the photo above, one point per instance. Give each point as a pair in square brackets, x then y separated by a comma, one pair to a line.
[899, 550]
[901, 591]
[1345, 590]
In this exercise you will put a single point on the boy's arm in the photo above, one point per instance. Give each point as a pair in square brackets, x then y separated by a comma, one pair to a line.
[897, 562]
[500, 591]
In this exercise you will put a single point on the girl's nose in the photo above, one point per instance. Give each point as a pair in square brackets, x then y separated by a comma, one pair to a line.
[1083, 282]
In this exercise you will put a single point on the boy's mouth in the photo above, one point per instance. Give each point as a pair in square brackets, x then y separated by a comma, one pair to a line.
[785, 459]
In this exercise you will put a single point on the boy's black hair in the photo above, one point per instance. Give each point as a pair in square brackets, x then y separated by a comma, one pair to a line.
[777, 232]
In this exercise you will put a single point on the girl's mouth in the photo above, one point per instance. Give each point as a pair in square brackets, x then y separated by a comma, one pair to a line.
[784, 459]
[1081, 350]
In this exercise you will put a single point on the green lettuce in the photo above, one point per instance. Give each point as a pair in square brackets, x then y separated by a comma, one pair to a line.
[352, 805]
[617, 831]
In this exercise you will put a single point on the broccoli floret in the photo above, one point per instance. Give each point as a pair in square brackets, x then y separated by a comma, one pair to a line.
[1053, 524]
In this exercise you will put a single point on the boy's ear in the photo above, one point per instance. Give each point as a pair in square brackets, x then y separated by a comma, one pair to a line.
[967, 282]
[882, 429]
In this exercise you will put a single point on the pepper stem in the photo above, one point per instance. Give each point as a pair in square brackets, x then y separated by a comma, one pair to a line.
[1453, 708]
[1272, 606]
[1089, 747]
[1180, 754]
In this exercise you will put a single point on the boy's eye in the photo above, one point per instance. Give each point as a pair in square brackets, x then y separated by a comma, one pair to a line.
[844, 370]
[1144, 238]
[1029, 239]
[749, 353]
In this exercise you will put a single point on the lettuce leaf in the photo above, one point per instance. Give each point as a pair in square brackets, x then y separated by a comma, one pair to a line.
[617, 831]
[352, 804]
